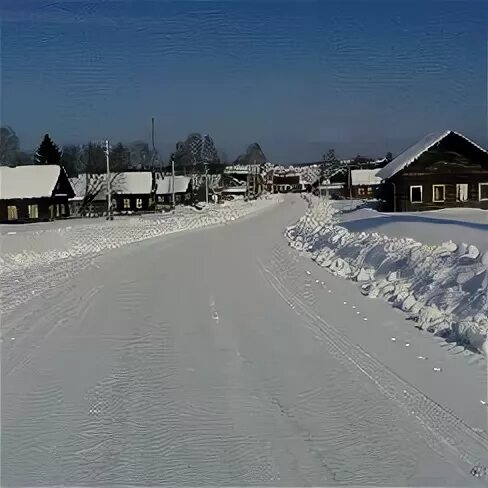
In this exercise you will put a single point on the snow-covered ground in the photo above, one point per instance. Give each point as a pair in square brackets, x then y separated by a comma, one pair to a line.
[443, 288]
[45, 252]
[225, 357]
[433, 227]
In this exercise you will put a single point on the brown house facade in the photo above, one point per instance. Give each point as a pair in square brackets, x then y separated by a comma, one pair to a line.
[34, 193]
[443, 170]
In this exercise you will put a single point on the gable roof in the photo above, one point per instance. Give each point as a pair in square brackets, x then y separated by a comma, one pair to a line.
[406, 158]
[32, 181]
[134, 182]
[365, 177]
[164, 186]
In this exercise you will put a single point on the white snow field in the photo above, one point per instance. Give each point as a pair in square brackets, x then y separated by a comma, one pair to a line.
[224, 357]
[468, 225]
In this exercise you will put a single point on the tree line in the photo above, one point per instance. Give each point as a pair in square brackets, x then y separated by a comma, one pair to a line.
[76, 159]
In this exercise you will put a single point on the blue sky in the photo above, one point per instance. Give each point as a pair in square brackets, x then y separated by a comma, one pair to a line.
[298, 77]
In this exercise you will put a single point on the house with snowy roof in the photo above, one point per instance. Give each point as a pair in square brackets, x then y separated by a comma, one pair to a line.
[34, 193]
[363, 183]
[164, 189]
[444, 169]
[133, 191]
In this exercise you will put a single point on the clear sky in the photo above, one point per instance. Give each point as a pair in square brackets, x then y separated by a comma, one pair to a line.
[298, 77]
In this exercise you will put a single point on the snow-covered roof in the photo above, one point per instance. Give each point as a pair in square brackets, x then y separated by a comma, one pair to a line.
[365, 177]
[414, 152]
[235, 189]
[134, 182]
[164, 186]
[129, 182]
[33, 181]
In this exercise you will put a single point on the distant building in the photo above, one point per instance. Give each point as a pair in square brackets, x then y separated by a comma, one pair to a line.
[364, 183]
[444, 169]
[34, 193]
[164, 189]
[133, 191]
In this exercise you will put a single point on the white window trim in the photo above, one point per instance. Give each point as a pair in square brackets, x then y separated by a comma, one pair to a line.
[479, 191]
[458, 185]
[433, 194]
[126, 200]
[139, 203]
[421, 193]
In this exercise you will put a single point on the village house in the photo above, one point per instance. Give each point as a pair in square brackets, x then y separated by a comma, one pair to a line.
[164, 189]
[34, 193]
[442, 170]
[133, 191]
[363, 184]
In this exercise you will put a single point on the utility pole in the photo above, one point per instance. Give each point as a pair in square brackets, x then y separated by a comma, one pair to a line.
[109, 196]
[173, 180]
[206, 182]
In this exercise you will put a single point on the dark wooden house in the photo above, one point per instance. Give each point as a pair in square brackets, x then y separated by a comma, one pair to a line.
[132, 191]
[443, 170]
[363, 184]
[182, 189]
[34, 193]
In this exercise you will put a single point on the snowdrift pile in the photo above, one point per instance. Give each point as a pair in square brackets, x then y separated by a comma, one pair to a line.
[444, 288]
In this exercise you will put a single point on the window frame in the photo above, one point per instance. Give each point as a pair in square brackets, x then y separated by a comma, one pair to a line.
[421, 194]
[126, 203]
[16, 212]
[458, 185]
[479, 191]
[443, 193]
[139, 203]
[30, 208]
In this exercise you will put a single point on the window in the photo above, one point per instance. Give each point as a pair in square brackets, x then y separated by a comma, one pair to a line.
[483, 191]
[58, 210]
[416, 194]
[139, 203]
[33, 211]
[461, 192]
[438, 193]
[12, 212]
[126, 203]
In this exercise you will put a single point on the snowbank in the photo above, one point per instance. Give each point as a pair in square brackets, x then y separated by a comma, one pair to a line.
[29, 256]
[443, 288]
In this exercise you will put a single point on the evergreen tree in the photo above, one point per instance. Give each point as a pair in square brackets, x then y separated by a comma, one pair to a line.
[330, 158]
[48, 152]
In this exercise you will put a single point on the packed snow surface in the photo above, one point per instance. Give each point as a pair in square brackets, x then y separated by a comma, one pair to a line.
[72, 244]
[443, 288]
[223, 357]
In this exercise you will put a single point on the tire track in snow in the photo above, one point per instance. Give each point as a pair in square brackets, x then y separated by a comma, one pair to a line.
[443, 431]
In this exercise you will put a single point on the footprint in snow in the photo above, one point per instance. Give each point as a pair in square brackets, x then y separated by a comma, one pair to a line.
[393, 339]
[407, 344]
[422, 357]
[437, 370]
[308, 272]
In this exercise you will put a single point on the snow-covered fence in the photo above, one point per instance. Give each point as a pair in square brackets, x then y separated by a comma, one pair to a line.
[443, 288]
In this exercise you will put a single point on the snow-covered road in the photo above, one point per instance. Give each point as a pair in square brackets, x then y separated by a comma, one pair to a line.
[223, 357]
